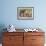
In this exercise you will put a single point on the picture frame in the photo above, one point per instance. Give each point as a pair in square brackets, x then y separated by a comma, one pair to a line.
[25, 13]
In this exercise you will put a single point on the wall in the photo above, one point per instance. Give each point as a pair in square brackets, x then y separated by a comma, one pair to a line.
[8, 13]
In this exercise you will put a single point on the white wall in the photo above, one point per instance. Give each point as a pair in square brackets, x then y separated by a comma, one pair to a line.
[9, 13]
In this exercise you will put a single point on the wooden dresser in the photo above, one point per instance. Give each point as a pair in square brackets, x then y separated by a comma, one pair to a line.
[23, 38]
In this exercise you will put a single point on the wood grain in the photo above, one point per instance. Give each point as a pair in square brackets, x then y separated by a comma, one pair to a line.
[23, 39]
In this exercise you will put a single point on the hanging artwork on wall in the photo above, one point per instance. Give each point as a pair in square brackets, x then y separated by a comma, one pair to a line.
[25, 13]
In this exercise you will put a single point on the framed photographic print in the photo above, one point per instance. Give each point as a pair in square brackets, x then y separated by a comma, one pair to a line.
[25, 13]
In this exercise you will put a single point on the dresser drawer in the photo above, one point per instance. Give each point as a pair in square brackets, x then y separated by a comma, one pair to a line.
[13, 44]
[12, 39]
[27, 39]
[37, 39]
[37, 44]
[13, 33]
[34, 33]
